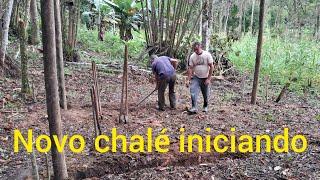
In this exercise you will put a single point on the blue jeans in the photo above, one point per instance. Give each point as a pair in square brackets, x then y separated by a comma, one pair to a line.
[198, 84]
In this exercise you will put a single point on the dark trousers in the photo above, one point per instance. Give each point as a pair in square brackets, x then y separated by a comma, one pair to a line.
[162, 86]
[198, 84]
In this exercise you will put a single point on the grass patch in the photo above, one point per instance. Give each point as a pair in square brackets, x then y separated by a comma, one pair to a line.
[282, 60]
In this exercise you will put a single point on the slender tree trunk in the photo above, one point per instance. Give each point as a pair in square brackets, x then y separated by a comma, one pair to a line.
[227, 17]
[51, 85]
[1, 11]
[26, 13]
[74, 15]
[258, 55]
[64, 23]
[154, 21]
[15, 16]
[25, 88]
[149, 19]
[70, 33]
[5, 32]
[34, 37]
[201, 18]
[99, 25]
[161, 24]
[221, 20]
[252, 16]
[296, 18]
[317, 24]
[241, 7]
[59, 51]
[244, 17]
[205, 24]
[146, 28]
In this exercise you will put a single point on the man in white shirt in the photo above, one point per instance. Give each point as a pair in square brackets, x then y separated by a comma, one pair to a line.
[199, 76]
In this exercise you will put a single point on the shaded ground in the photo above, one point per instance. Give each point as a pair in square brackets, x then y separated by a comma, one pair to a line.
[227, 109]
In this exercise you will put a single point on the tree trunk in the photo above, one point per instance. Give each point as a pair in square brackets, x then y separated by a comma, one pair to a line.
[51, 85]
[241, 6]
[25, 88]
[227, 16]
[64, 24]
[26, 13]
[252, 16]
[59, 51]
[201, 18]
[5, 32]
[244, 17]
[296, 19]
[221, 20]
[258, 55]
[99, 24]
[317, 28]
[15, 17]
[205, 24]
[34, 37]
[74, 11]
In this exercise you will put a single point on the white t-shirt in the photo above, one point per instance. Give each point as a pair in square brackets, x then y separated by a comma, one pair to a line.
[200, 64]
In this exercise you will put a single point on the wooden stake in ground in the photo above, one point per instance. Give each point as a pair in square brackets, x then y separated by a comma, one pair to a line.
[258, 55]
[94, 113]
[35, 171]
[96, 84]
[51, 86]
[95, 99]
[123, 117]
[48, 167]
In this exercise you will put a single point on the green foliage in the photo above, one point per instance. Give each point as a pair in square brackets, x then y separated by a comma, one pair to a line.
[221, 44]
[127, 16]
[283, 60]
[97, 9]
[112, 47]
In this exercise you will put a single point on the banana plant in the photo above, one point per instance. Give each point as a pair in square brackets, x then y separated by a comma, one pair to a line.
[100, 14]
[127, 15]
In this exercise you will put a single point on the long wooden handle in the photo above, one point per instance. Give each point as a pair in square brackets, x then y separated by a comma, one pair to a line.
[147, 97]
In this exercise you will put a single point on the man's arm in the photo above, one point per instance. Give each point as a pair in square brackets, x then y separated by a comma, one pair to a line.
[208, 80]
[190, 69]
[174, 63]
[190, 73]
[211, 68]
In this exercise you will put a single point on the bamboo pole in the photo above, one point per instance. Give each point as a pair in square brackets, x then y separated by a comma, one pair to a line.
[93, 113]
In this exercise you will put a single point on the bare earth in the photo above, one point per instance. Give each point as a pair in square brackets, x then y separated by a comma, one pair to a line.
[227, 109]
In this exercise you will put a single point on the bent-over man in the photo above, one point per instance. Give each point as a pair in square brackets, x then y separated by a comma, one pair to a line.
[164, 69]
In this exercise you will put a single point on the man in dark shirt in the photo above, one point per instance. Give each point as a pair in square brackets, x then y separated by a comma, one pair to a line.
[164, 69]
